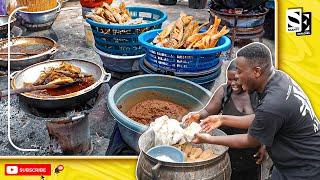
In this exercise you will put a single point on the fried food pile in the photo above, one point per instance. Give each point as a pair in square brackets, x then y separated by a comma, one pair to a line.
[64, 74]
[194, 154]
[69, 78]
[108, 15]
[184, 33]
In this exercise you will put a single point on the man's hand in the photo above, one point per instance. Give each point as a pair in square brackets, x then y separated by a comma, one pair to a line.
[201, 138]
[191, 117]
[233, 141]
[210, 123]
[260, 155]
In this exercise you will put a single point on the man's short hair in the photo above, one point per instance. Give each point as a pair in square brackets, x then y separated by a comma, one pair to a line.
[257, 54]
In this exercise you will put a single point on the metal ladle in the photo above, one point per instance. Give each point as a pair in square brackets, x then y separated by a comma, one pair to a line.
[4, 93]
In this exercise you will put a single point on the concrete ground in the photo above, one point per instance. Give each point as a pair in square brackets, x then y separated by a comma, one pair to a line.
[68, 31]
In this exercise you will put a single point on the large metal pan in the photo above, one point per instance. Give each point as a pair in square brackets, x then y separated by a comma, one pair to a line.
[37, 49]
[30, 74]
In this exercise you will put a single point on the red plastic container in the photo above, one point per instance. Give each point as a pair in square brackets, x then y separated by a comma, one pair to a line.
[93, 3]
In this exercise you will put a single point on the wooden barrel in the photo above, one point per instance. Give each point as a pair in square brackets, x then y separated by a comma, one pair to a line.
[218, 168]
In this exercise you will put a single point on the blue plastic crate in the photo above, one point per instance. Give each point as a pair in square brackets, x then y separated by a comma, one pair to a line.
[182, 60]
[122, 40]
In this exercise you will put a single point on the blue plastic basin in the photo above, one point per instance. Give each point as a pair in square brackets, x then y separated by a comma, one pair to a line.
[119, 39]
[182, 60]
[133, 90]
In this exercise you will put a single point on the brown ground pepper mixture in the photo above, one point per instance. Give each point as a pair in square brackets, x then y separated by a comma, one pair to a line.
[147, 111]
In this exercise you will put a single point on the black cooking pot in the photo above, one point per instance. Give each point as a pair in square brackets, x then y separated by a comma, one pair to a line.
[168, 2]
[245, 4]
[31, 73]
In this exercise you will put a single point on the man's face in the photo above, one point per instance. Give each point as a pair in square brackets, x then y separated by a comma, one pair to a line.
[245, 75]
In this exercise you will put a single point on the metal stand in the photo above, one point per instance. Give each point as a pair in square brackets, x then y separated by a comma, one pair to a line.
[242, 26]
[234, 36]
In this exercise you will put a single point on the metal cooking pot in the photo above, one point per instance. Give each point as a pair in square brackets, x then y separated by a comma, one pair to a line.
[31, 73]
[243, 21]
[40, 17]
[46, 48]
[246, 4]
[217, 168]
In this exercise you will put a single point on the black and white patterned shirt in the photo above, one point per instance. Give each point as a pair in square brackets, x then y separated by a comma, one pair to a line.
[286, 123]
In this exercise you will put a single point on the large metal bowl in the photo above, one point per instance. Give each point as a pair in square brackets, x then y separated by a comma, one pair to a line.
[40, 17]
[4, 25]
[44, 47]
[130, 91]
[30, 75]
[117, 63]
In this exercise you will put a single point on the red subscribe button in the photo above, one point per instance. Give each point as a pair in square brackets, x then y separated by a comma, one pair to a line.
[28, 169]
